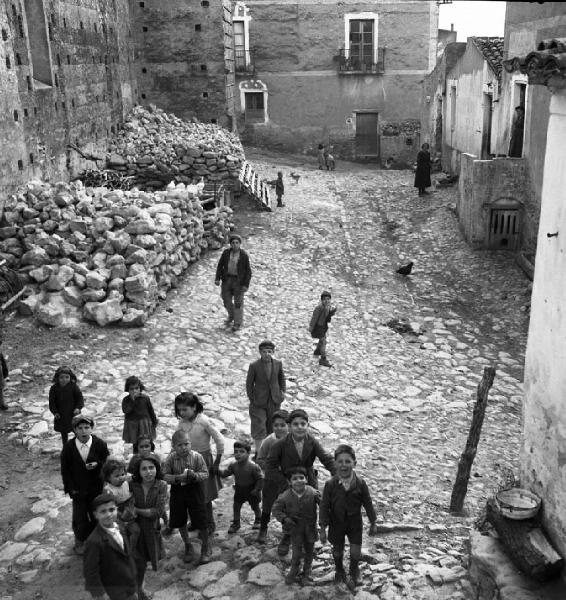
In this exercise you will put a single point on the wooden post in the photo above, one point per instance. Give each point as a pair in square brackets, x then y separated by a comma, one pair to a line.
[467, 458]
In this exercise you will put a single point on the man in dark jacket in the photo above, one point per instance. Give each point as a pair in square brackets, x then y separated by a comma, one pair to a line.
[265, 386]
[234, 272]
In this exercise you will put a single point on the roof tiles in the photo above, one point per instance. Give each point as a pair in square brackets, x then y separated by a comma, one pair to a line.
[492, 50]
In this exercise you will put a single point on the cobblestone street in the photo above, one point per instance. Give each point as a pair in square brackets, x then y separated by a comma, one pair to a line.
[404, 401]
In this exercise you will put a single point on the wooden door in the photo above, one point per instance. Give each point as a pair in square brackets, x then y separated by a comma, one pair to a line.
[366, 135]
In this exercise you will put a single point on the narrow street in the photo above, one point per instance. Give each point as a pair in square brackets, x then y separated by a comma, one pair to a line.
[404, 401]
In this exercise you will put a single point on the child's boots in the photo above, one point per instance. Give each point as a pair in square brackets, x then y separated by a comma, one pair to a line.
[264, 522]
[189, 554]
[340, 575]
[234, 526]
[354, 573]
[206, 549]
[306, 577]
[291, 576]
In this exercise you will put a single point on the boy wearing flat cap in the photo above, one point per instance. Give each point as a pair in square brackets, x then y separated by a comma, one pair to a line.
[82, 458]
[265, 386]
[234, 273]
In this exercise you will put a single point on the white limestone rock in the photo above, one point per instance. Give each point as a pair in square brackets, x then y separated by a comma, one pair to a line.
[206, 574]
[265, 574]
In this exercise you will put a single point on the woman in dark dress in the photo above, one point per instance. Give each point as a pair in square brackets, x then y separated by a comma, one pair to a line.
[422, 174]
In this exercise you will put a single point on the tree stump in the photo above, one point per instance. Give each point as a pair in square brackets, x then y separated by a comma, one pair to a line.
[527, 545]
[467, 458]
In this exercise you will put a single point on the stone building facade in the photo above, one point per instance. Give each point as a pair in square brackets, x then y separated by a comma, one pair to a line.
[185, 57]
[71, 71]
[67, 77]
[346, 73]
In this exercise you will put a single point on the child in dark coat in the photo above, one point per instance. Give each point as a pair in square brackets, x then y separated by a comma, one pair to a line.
[297, 449]
[296, 510]
[139, 416]
[108, 565]
[82, 458]
[321, 316]
[65, 401]
[279, 189]
[248, 483]
[341, 511]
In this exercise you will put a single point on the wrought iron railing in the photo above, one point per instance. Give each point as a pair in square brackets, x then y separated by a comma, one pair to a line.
[244, 61]
[348, 62]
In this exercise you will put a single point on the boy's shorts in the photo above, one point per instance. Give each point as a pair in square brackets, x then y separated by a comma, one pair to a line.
[187, 501]
[242, 494]
[351, 528]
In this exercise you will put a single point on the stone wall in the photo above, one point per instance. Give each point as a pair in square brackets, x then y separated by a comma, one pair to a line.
[489, 184]
[105, 256]
[66, 76]
[296, 56]
[185, 58]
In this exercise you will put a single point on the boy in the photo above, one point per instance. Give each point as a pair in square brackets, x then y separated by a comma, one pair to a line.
[265, 387]
[279, 188]
[296, 510]
[297, 449]
[82, 458]
[185, 469]
[271, 488]
[318, 327]
[341, 510]
[248, 479]
[108, 566]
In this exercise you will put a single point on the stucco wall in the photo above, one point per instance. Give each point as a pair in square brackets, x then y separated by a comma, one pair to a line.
[471, 76]
[89, 56]
[483, 183]
[182, 49]
[526, 24]
[296, 48]
[543, 464]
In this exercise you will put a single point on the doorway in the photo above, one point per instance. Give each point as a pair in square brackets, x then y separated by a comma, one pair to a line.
[367, 139]
[486, 128]
[255, 107]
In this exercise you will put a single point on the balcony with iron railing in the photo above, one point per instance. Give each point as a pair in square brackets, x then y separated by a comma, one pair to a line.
[244, 61]
[350, 64]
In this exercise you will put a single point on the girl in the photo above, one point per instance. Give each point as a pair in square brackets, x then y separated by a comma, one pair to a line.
[145, 446]
[139, 416]
[189, 410]
[65, 401]
[116, 484]
[150, 498]
[321, 157]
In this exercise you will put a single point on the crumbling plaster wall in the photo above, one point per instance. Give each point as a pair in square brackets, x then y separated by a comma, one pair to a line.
[296, 55]
[92, 84]
[184, 51]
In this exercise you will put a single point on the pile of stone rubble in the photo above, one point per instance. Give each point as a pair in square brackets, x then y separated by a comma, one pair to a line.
[155, 148]
[105, 256]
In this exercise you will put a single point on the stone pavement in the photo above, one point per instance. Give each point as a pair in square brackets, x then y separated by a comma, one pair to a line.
[403, 400]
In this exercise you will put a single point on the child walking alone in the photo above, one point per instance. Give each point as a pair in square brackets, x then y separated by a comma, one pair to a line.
[65, 401]
[116, 483]
[248, 483]
[139, 416]
[296, 510]
[184, 470]
[189, 410]
[279, 189]
[341, 511]
[318, 327]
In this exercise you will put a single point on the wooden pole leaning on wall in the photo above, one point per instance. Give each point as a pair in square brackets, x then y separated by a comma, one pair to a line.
[467, 458]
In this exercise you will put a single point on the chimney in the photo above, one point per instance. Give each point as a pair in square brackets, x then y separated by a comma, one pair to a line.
[451, 26]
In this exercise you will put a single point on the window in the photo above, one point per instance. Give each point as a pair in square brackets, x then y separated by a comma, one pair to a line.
[361, 52]
[241, 20]
[255, 108]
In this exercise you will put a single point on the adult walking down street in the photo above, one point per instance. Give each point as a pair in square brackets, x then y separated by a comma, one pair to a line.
[265, 386]
[422, 174]
[234, 273]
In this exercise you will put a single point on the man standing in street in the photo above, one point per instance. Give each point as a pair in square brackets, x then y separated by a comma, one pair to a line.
[234, 272]
[265, 386]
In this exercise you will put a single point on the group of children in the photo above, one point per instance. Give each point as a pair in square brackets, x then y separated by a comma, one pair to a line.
[325, 159]
[121, 510]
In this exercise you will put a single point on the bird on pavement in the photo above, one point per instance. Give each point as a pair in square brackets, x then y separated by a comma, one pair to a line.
[405, 269]
[295, 176]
